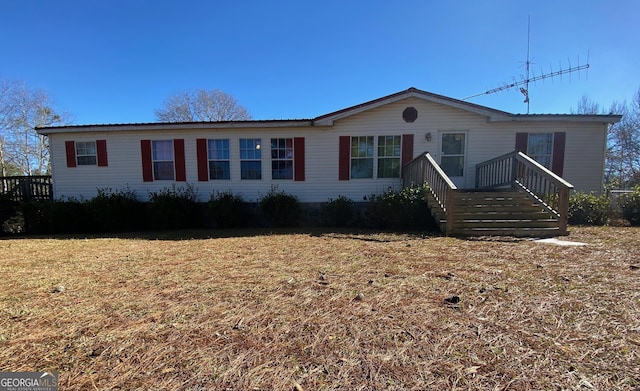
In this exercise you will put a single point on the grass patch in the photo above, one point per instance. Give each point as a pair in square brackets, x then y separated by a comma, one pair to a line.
[281, 310]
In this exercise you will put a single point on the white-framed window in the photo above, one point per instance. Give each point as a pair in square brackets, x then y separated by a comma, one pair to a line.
[86, 154]
[362, 153]
[452, 159]
[250, 158]
[162, 157]
[218, 153]
[389, 148]
[281, 158]
[540, 148]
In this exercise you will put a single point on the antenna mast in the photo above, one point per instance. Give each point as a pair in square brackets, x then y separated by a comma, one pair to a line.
[526, 85]
[524, 82]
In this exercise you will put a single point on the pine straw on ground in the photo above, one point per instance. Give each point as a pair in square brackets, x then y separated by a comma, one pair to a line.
[281, 311]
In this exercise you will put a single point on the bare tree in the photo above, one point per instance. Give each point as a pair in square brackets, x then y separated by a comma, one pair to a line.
[623, 149]
[4, 118]
[587, 106]
[201, 105]
[21, 111]
[622, 165]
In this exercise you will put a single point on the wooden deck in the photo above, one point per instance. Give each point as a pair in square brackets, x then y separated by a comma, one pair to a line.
[497, 212]
[27, 188]
[515, 196]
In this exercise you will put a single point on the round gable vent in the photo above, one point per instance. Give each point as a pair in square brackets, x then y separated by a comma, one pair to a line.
[410, 114]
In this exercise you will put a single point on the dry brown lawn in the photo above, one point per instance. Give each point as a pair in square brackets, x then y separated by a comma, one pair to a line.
[250, 310]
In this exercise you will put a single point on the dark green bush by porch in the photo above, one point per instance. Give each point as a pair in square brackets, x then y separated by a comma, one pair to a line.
[589, 209]
[339, 212]
[174, 208]
[228, 210]
[403, 209]
[114, 211]
[280, 209]
[630, 204]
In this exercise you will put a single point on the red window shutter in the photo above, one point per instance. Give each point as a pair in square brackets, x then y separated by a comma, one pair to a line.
[557, 159]
[522, 139]
[202, 155]
[298, 159]
[101, 147]
[147, 165]
[407, 149]
[344, 158]
[178, 155]
[70, 147]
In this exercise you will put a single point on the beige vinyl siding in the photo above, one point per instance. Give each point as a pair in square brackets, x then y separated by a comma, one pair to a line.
[584, 157]
[584, 154]
[387, 120]
[125, 165]
[584, 149]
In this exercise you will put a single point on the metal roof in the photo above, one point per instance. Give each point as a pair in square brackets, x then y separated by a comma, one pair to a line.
[492, 115]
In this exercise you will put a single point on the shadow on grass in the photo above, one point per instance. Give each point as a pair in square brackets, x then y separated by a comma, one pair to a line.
[378, 236]
[367, 235]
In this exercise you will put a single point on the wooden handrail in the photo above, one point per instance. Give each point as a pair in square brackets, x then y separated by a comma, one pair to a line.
[424, 169]
[550, 175]
[524, 173]
[495, 172]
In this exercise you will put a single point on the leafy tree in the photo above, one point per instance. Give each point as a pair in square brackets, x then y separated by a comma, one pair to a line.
[22, 149]
[201, 105]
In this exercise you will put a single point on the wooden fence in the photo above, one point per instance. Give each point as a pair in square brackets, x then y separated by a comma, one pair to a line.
[27, 188]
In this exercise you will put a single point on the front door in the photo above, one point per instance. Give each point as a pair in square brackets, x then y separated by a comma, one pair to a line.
[453, 149]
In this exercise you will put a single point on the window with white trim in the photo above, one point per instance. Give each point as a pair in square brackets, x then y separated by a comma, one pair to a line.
[389, 148]
[540, 148]
[281, 158]
[453, 154]
[362, 152]
[219, 165]
[162, 157]
[250, 158]
[86, 154]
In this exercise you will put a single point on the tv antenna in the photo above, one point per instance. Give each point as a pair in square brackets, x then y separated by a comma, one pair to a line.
[528, 78]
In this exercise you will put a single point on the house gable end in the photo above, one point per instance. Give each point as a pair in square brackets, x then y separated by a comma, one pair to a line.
[491, 114]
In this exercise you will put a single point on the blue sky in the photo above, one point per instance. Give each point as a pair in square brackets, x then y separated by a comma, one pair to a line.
[116, 61]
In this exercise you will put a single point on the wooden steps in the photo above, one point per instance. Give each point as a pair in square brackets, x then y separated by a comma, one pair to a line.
[497, 213]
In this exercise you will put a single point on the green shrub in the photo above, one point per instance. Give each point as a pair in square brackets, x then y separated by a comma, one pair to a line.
[280, 209]
[71, 216]
[174, 208]
[8, 211]
[228, 210]
[340, 212]
[589, 209]
[37, 216]
[113, 211]
[404, 209]
[54, 217]
[630, 204]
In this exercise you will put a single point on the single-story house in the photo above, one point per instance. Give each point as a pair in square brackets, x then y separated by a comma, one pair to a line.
[353, 152]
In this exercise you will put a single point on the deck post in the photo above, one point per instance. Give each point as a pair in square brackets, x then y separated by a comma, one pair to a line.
[449, 211]
[514, 168]
[25, 188]
[563, 209]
